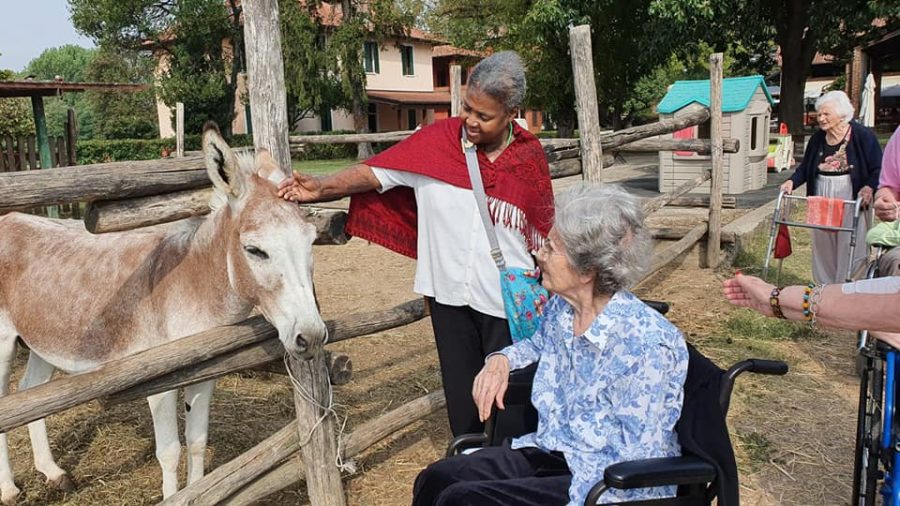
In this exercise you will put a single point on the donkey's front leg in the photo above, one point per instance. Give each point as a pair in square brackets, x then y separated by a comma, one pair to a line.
[38, 372]
[165, 429]
[8, 488]
[196, 426]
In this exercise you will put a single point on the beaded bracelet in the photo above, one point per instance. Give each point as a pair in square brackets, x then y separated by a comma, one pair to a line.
[807, 293]
[774, 302]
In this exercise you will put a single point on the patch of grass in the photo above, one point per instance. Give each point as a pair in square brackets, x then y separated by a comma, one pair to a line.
[757, 447]
[750, 325]
[322, 167]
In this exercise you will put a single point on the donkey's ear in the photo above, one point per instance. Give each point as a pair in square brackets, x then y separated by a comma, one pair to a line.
[267, 167]
[221, 164]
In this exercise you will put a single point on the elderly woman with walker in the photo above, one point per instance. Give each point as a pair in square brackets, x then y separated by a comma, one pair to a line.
[841, 161]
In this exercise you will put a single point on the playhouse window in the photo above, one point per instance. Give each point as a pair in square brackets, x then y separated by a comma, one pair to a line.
[704, 130]
[685, 133]
[754, 127]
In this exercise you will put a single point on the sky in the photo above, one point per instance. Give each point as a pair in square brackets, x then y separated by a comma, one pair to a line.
[30, 27]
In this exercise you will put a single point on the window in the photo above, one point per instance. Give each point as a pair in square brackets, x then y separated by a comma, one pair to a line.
[704, 130]
[406, 57]
[441, 78]
[370, 57]
[373, 117]
[411, 119]
[754, 126]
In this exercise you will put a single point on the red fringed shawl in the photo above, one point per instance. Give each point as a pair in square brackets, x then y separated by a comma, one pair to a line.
[517, 184]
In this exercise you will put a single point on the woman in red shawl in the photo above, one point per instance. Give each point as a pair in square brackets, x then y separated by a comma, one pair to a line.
[416, 199]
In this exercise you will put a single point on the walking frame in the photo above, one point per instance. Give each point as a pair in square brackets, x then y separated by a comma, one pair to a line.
[782, 216]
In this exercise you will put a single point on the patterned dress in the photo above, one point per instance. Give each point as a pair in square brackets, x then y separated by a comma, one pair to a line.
[612, 394]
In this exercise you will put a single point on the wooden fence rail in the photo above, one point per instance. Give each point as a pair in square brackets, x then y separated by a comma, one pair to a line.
[268, 467]
[197, 351]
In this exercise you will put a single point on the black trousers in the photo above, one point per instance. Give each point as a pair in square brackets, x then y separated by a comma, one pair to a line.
[495, 475]
[464, 337]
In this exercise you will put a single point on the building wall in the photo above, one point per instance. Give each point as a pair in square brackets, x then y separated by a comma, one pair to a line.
[390, 76]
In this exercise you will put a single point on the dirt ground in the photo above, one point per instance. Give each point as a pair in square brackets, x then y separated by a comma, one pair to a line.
[793, 435]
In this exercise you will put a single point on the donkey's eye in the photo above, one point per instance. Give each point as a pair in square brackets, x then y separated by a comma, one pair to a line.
[258, 253]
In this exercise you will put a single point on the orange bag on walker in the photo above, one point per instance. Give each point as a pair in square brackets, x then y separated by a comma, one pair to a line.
[825, 211]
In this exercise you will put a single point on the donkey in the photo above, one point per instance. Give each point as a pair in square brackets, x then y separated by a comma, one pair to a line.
[126, 292]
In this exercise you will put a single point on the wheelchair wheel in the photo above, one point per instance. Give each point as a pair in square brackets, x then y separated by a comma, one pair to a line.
[866, 472]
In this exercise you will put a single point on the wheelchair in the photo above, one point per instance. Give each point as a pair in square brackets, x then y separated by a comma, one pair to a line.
[698, 475]
[877, 448]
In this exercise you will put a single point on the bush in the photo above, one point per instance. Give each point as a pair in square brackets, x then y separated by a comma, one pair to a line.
[334, 151]
[101, 150]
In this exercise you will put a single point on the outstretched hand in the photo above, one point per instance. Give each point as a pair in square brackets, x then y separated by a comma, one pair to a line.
[749, 291]
[490, 385]
[300, 188]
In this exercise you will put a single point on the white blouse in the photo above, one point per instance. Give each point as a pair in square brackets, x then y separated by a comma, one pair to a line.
[454, 262]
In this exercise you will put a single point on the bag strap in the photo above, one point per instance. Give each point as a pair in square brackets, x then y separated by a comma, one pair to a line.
[481, 199]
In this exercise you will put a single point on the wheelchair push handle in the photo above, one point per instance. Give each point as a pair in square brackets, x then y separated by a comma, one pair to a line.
[772, 367]
[754, 365]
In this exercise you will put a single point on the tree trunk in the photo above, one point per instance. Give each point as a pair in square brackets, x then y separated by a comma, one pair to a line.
[798, 42]
[356, 79]
[565, 126]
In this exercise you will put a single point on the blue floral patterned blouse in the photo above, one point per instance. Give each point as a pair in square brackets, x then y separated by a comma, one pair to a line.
[612, 394]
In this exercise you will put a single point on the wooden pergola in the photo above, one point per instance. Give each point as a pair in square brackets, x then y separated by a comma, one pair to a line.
[37, 90]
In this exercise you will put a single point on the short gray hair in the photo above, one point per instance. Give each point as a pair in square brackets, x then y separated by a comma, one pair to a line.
[502, 77]
[840, 101]
[602, 229]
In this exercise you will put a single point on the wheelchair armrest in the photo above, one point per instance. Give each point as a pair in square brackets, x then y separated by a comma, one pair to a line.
[684, 470]
[464, 441]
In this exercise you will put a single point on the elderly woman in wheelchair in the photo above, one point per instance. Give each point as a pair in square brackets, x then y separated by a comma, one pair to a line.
[610, 375]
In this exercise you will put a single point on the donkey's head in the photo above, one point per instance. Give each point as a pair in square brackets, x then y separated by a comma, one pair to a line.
[269, 243]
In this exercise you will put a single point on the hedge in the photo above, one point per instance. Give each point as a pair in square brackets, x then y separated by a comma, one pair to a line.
[99, 150]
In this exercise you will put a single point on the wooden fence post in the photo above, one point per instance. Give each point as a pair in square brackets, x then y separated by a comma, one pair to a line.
[268, 108]
[32, 154]
[265, 80]
[586, 99]
[713, 246]
[316, 425]
[71, 136]
[179, 129]
[455, 89]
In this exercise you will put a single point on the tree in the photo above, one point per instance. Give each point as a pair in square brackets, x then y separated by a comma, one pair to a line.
[197, 67]
[323, 60]
[311, 73]
[122, 115]
[799, 27]
[628, 42]
[376, 20]
[15, 113]
[690, 61]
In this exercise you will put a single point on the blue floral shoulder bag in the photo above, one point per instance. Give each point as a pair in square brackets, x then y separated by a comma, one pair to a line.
[522, 292]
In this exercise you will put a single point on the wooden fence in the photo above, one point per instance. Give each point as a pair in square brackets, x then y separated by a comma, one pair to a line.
[20, 153]
[270, 466]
